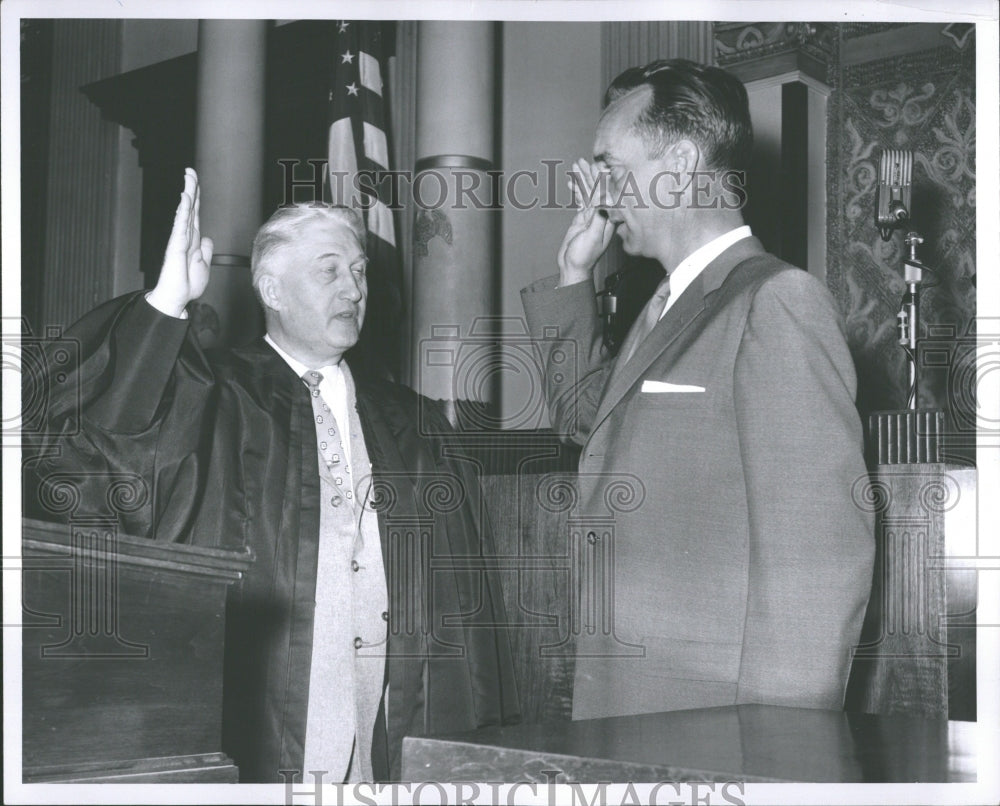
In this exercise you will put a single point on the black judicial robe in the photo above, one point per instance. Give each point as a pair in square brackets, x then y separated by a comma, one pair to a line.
[221, 452]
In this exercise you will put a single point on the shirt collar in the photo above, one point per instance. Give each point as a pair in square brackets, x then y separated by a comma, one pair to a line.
[695, 263]
[297, 366]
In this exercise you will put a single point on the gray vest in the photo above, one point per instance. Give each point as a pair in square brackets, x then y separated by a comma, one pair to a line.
[351, 616]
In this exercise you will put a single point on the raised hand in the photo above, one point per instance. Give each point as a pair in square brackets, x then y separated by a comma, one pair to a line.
[590, 231]
[188, 256]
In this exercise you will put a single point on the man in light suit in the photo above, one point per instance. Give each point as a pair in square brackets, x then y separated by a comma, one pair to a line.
[742, 570]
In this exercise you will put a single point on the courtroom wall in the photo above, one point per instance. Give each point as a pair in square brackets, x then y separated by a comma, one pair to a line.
[551, 95]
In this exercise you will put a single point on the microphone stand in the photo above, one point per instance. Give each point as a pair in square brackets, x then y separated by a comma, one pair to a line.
[908, 317]
[909, 435]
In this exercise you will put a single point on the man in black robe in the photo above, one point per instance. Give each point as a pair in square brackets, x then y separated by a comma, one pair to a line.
[226, 447]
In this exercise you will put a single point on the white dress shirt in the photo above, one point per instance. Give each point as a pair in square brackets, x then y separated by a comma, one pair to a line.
[695, 263]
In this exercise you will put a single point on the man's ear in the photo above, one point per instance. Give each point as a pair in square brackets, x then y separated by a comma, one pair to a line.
[683, 157]
[269, 288]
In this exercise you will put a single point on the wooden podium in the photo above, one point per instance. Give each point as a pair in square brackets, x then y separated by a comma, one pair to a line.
[122, 656]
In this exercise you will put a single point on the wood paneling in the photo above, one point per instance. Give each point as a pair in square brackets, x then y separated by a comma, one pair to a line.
[83, 154]
[122, 652]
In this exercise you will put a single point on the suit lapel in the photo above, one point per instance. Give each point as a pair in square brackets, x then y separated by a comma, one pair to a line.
[625, 374]
[675, 321]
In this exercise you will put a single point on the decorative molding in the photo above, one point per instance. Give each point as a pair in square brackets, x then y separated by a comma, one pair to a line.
[239, 261]
[907, 40]
[778, 80]
[760, 49]
[460, 161]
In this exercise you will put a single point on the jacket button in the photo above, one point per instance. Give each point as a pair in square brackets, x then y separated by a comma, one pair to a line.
[592, 537]
[358, 643]
[385, 615]
[335, 501]
[354, 565]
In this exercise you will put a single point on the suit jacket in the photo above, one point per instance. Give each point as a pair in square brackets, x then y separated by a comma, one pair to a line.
[222, 450]
[736, 565]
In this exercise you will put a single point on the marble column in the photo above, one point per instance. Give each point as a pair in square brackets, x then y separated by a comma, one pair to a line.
[229, 148]
[453, 298]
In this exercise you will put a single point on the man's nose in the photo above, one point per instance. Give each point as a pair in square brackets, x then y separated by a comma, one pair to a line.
[351, 288]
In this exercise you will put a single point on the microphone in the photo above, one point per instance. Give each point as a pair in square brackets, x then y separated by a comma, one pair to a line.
[607, 307]
[895, 187]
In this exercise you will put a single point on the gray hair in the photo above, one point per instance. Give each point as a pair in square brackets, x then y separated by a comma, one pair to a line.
[286, 223]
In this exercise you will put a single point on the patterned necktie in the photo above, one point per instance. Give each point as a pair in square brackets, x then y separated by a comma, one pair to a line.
[647, 320]
[326, 423]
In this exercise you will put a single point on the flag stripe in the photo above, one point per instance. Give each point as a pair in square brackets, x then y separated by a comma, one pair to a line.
[376, 148]
[343, 159]
[380, 222]
[371, 75]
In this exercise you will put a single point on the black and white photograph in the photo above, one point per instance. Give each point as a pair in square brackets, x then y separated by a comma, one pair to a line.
[550, 402]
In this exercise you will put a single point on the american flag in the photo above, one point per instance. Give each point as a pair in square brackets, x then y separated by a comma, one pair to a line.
[358, 140]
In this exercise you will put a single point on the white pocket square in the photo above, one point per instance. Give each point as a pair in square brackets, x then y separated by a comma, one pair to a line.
[659, 387]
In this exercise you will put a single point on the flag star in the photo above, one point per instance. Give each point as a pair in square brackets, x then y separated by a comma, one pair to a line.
[347, 58]
[352, 89]
[342, 27]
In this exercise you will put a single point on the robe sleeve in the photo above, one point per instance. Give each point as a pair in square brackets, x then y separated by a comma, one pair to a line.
[122, 422]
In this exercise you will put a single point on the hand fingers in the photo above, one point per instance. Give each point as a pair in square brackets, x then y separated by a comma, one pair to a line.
[580, 184]
[207, 248]
[197, 204]
[191, 188]
[584, 172]
[609, 232]
[578, 196]
[190, 181]
[178, 233]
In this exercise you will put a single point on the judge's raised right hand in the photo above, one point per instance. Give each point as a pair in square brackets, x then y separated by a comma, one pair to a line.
[186, 262]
